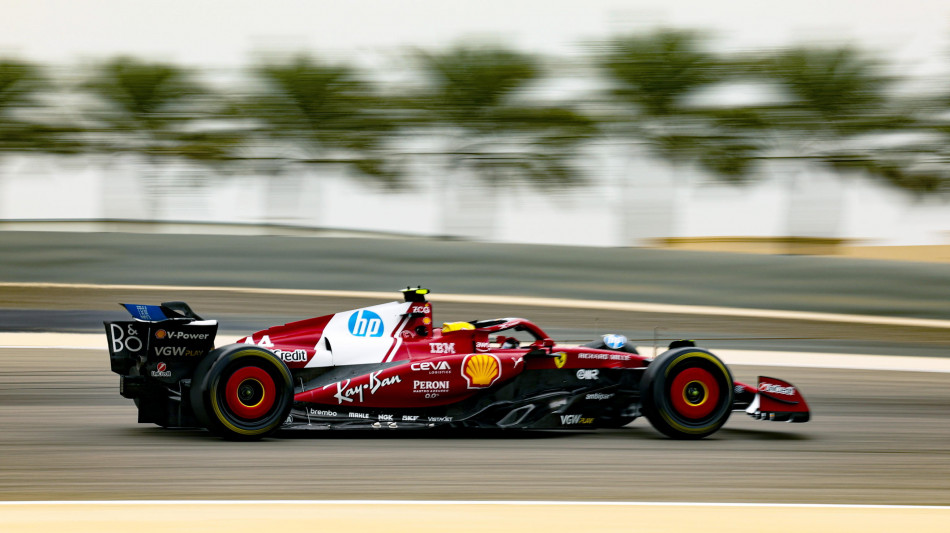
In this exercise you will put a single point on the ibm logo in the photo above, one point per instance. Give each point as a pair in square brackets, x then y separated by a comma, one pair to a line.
[365, 323]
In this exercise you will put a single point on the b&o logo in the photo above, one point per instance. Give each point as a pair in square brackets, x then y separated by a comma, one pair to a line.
[127, 340]
[365, 323]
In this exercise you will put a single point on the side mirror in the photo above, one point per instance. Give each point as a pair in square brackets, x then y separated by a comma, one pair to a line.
[537, 352]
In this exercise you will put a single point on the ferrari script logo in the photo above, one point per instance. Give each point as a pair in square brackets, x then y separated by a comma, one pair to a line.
[560, 359]
[481, 370]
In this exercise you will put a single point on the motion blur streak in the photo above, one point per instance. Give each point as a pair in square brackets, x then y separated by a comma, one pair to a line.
[635, 138]
[877, 437]
[562, 303]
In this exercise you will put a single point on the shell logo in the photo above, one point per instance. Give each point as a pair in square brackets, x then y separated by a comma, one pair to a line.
[481, 370]
[160, 334]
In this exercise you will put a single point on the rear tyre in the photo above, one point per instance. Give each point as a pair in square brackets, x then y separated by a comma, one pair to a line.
[687, 393]
[241, 392]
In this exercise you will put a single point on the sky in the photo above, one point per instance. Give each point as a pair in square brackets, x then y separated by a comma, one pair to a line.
[225, 33]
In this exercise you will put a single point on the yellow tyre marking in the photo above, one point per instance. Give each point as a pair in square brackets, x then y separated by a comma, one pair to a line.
[666, 416]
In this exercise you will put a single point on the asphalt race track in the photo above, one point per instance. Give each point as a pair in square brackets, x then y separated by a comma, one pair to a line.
[875, 438]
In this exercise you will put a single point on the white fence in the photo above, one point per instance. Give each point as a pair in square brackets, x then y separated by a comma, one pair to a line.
[628, 200]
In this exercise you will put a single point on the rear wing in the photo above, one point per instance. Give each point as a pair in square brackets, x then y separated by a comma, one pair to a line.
[169, 336]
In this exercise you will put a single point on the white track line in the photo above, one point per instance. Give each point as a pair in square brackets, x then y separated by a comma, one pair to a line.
[567, 303]
[888, 363]
[515, 503]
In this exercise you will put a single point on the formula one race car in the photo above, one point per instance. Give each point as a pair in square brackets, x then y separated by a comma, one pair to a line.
[387, 366]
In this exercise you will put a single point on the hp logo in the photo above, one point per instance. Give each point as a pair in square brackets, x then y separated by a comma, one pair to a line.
[365, 323]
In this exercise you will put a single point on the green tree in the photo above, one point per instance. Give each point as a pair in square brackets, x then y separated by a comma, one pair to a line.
[653, 80]
[319, 114]
[476, 105]
[26, 124]
[478, 99]
[157, 110]
[835, 101]
[653, 77]
[161, 114]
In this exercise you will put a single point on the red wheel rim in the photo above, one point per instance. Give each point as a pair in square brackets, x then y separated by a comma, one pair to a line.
[250, 392]
[695, 393]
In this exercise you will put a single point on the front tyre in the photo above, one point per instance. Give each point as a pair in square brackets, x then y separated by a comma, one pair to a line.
[687, 393]
[241, 392]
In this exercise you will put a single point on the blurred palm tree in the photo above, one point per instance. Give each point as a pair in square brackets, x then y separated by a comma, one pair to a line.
[26, 124]
[318, 113]
[834, 111]
[653, 80]
[477, 106]
[836, 102]
[653, 77]
[477, 99]
[832, 97]
[19, 83]
[160, 111]
[840, 100]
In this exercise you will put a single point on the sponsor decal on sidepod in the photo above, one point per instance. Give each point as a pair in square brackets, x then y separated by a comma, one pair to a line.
[481, 370]
[345, 393]
[432, 367]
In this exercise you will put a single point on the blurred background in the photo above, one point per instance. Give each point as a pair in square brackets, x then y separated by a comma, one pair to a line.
[821, 127]
[809, 127]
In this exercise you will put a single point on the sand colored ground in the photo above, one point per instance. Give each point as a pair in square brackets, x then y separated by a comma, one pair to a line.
[422, 518]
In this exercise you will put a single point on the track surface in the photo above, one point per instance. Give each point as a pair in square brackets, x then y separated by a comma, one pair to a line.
[876, 438]
[621, 274]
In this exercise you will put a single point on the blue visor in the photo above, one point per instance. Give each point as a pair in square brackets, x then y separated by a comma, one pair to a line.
[151, 313]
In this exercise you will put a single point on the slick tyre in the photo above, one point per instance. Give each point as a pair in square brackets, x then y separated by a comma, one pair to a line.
[687, 393]
[241, 392]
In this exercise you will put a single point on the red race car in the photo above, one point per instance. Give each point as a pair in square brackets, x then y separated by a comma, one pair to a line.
[388, 367]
